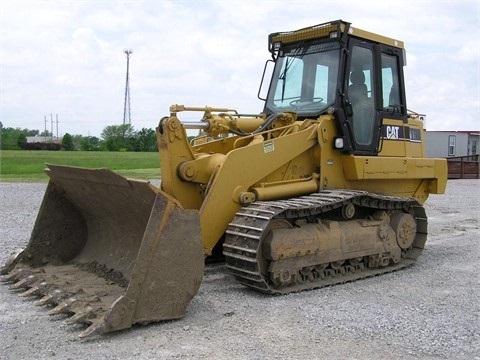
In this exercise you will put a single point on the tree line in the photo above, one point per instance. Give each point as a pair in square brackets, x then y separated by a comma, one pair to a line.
[113, 138]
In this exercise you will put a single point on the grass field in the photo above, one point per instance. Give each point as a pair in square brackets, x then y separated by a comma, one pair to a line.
[27, 166]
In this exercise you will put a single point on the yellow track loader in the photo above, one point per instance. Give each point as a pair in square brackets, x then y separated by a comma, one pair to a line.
[324, 186]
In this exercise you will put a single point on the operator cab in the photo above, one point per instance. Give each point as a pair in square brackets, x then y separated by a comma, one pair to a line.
[333, 68]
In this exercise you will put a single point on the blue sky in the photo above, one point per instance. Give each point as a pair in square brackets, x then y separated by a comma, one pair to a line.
[67, 57]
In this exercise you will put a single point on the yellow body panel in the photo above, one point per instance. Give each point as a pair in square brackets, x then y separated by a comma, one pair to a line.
[399, 176]
[297, 159]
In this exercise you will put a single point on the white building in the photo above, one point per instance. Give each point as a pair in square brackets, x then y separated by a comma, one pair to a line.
[452, 143]
[44, 139]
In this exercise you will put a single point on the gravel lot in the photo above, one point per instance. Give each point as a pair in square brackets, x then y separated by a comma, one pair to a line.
[428, 311]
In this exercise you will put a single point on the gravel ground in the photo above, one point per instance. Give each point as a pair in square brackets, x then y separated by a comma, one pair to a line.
[428, 311]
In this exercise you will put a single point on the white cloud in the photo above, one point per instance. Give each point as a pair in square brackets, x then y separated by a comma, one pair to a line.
[67, 57]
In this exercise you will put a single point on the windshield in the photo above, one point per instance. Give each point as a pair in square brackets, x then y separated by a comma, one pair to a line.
[304, 79]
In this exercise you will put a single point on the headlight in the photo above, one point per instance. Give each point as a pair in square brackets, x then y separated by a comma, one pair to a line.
[339, 143]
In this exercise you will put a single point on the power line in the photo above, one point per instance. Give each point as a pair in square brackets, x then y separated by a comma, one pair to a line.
[126, 106]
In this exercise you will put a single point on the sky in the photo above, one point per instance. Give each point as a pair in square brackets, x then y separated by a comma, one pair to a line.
[65, 60]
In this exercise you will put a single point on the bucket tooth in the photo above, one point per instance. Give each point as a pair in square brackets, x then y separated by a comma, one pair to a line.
[47, 299]
[52, 298]
[24, 283]
[80, 317]
[35, 290]
[63, 307]
[30, 292]
[13, 276]
[95, 329]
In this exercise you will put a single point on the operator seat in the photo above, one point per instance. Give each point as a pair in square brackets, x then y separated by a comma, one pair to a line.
[357, 91]
[362, 108]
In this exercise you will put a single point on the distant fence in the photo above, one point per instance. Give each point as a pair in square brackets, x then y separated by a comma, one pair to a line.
[464, 167]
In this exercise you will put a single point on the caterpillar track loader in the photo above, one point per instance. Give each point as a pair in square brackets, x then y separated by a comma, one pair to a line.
[324, 186]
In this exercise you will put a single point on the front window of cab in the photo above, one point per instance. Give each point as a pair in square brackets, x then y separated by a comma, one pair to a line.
[305, 79]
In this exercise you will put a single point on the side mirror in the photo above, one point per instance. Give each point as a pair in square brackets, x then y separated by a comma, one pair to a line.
[265, 85]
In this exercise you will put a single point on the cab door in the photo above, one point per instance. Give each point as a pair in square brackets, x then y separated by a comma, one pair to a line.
[361, 93]
[375, 90]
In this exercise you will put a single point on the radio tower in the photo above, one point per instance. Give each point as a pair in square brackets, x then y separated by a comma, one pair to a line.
[126, 106]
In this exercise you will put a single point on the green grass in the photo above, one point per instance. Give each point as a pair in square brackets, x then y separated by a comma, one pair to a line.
[28, 166]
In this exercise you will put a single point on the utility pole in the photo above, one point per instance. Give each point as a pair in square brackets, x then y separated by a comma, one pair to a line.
[57, 126]
[45, 132]
[126, 106]
[51, 125]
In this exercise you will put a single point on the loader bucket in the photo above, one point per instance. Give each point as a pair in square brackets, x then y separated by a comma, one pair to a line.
[109, 251]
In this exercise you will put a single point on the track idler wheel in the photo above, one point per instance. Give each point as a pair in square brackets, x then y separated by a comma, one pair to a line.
[405, 227]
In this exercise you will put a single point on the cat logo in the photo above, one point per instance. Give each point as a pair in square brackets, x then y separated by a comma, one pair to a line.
[392, 132]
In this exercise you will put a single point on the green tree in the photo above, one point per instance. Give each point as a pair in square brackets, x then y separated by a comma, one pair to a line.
[67, 142]
[146, 140]
[46, 133]
[13, 139]
[89, 143]
[119, 138]
[22, 138]
[32, 132]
